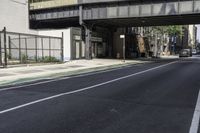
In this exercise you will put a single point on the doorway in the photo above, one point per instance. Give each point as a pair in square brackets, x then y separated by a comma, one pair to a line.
[78, 50]
[98, 50]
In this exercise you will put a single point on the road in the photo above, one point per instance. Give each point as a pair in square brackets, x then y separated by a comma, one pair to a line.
[157, 97]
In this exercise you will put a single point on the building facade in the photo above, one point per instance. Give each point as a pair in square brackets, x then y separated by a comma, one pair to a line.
[20, 44]
[192, 36]
[15, 16]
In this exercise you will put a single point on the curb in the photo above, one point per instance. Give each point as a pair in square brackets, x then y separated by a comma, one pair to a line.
[65, 74]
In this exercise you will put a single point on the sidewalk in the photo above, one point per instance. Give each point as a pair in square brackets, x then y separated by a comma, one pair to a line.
[170, 57]
[32, 73]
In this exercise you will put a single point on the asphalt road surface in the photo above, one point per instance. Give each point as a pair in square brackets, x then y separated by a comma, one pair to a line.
[158, 97]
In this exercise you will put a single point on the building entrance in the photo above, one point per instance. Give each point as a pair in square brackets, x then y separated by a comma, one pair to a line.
[98, 50]
[79, 50]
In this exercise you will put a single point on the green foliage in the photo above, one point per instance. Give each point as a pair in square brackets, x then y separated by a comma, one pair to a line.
[9, 55]
[175, 30]
[170, 30]
[24, 58]
[47, 59]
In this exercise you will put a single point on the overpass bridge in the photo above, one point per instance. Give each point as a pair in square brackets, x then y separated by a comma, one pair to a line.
[112, 14]
[115, 13]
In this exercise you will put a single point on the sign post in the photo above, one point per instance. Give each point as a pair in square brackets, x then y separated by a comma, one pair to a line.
[124, 47]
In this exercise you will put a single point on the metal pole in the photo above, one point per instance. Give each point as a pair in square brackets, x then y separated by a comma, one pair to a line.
[36, 53]
[26, 49]
[49, 47]
[42, 45]
[9, 47]
[124, 49]
[5, 49]
[20, 54]
[62, 47]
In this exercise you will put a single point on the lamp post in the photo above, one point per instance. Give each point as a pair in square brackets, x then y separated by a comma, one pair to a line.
[124, 47]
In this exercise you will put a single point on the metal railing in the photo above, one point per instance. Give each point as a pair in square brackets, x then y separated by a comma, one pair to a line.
[19, 48]
[52, 4]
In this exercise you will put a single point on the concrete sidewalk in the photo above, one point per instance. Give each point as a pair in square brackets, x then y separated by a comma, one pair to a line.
[170, 57]
[32, 73]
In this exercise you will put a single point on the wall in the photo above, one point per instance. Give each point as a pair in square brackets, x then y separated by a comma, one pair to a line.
[66, 41]
[14, 16]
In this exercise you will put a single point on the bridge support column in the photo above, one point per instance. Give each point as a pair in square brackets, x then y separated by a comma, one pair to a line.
[88, 45]
[87, 38]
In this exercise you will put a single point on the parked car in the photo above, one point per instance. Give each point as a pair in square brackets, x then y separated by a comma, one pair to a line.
[185, 53]
[194, 51]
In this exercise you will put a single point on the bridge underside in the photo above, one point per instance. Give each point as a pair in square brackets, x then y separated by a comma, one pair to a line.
[119, 14]
[147, 21]
[55, 23]
[120, 22]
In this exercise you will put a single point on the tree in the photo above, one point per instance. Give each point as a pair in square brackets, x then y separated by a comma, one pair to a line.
[170, 30]
[158, 35]
[174, 30]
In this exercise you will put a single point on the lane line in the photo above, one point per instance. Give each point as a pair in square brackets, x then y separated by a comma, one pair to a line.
[83, 89]
[64, 78]
[196, 117]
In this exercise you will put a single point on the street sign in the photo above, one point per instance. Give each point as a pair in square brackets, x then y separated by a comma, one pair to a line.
[122, 36]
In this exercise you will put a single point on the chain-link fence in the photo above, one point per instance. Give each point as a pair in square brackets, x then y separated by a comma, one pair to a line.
[18, 48]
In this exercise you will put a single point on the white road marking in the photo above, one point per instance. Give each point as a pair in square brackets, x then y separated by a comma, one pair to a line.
[196, 117]
[59, 79]
[83, 89]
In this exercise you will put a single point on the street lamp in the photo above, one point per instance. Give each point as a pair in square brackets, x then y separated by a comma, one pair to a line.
[124, 47]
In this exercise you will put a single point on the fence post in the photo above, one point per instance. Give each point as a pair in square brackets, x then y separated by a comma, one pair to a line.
[9, 47]
[20, 54]
[0, 51]
[36, 53]
[26, 50]
[50, 47]
[62, 47]
[5, 49]
[42, 45]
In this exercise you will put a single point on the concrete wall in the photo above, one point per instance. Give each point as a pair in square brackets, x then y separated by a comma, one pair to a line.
[67, 40]
[14, 16]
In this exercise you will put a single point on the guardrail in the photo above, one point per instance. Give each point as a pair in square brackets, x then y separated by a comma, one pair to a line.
[52, 4]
